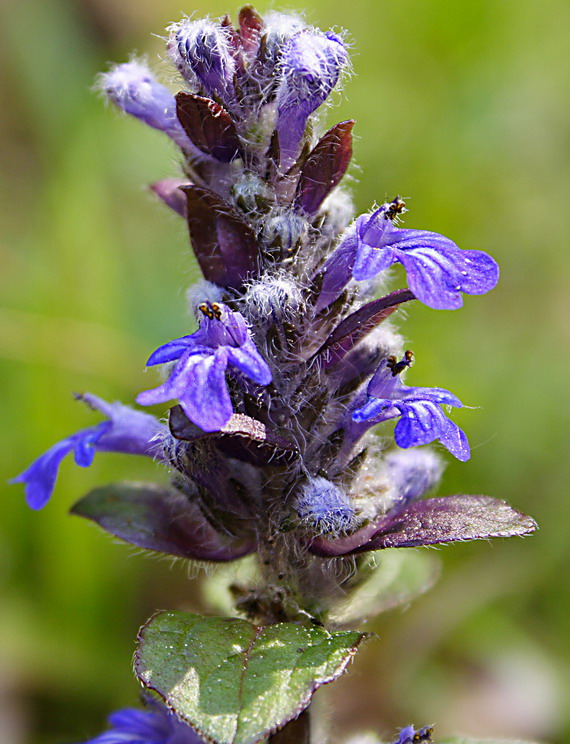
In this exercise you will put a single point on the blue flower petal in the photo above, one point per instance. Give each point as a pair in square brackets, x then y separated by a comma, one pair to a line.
[421, 418]
[438, 271]
[41, 476]
[206, 399]
[249, 361]
[156, 726]
[371, 260]
[198, 377]
[375, 409]
[84, 450]
[422, 422]
[432, 276]
[480, 272]
[128, 431]
[436, 395]
[170, 351]
[338, 271]
[175, 386]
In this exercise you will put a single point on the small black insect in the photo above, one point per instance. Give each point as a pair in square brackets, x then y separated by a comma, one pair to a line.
[395, 208]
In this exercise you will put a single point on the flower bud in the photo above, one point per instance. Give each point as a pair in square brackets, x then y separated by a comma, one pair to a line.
[279, 28]
[412, 473]
[311, 65]
[202, 53]
[252, 194]
[283, 233]
[134, 89]
[272, 299]
[325, 506]
[338, 209]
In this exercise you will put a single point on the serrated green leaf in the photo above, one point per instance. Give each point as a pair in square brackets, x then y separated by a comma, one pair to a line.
[235, 682]
[396, 578]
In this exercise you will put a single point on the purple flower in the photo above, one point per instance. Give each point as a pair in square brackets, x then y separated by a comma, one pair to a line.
[409, 735]
[134, 89]
[159, 726]
[198, 379]
[311, 65]
[437, 269]
[126, 430]
[421, 419]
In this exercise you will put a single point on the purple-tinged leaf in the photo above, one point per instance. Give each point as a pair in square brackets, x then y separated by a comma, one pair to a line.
[324, 167]
[250, 27]
[358, 324]
[224, 244]
[209, 126]
[168, 190]
[235, 682]
[431, 522]
[159, 518]
[242, 437]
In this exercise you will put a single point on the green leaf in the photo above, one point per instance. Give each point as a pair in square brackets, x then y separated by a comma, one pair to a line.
[396, 578]
[235, 682]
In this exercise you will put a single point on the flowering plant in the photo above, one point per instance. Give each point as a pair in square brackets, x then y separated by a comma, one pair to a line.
[271, 442]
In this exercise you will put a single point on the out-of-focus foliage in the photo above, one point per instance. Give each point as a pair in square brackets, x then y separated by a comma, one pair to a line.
[460, 106]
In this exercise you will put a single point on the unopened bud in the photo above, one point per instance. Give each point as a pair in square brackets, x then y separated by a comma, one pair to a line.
[283, 233]
[134, 89]
[311, 66]
[325, 506]
[412, 473]
[202, 53]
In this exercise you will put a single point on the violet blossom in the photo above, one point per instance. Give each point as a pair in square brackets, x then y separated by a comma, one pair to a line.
[437, 270]
[421, 418]
[198, 377]
[125, 430]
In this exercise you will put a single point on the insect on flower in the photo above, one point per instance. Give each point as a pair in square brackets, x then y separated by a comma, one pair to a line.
[395, 208]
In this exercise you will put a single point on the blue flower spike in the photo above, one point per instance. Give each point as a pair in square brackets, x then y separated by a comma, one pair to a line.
[266, 447]
[198, 379]
[421, 419]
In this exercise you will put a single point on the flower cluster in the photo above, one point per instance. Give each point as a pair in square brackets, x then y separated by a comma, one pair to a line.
[274, 396]
[292, 363]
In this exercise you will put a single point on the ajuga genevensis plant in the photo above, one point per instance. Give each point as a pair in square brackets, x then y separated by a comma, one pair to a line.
[275, 433]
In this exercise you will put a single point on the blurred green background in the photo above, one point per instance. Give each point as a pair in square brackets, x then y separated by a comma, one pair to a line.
[461, 106]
